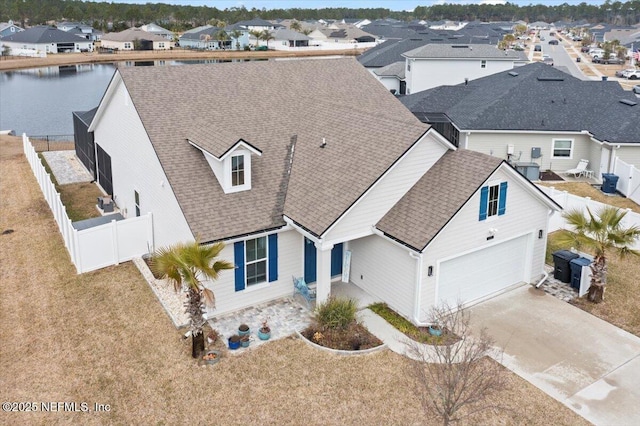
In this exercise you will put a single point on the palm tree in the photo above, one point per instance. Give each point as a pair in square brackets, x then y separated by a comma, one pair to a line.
[236, 34]
[186, 265]
[266, 36]
[295, 25]
[257, 34]
[221, 36]
[601, 233]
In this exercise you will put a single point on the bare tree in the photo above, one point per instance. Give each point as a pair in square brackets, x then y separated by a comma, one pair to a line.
[457, 380]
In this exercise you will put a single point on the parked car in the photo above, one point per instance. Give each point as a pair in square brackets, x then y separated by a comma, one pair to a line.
[577, 38]
[554, 41]
[547, 60]
[612, 61]
[585, 49]
[620, 73]
[632, 74]
[537, 48]
[636, 89]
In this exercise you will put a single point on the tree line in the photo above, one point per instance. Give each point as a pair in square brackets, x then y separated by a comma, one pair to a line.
[180, 18]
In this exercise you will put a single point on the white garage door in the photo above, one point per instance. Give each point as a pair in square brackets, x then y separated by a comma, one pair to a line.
[482, 272]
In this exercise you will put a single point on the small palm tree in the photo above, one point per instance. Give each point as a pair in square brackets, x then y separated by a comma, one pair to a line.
[257, 34]
[295, 26]
[222, 36]
[601, 233]
[266, 36]
[186, 265]
[236, 34]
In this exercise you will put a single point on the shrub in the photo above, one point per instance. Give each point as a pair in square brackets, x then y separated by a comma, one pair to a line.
[336, 313]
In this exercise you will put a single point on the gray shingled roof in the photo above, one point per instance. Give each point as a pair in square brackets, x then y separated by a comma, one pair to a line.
[268, 104]
[285, 34]
[464, 51]
[86, 116]
[420, 215]
[130, 34]
[44, 34]
[555, 101]
[397, 69]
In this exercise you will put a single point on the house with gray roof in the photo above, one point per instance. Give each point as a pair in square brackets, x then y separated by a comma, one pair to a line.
[9, 28]
[156, 29]
[211, 38]
[537, 114]
[46, 39]
[135, 39]
[312, 162]
[284, 38]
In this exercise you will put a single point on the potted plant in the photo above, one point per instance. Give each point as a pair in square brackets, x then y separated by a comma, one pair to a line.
[243, 330]
[234, 342]
[211, 357]
[264, 332]
[245, 340]
[435, 329]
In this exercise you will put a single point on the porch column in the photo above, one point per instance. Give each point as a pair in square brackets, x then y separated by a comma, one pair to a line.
[323, 272]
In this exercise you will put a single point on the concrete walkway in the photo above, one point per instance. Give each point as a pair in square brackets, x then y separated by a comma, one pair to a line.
[582, 361]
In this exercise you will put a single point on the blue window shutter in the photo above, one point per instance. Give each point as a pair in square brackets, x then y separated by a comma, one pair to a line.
[502, 203]
[238, 259]
[484, 200]
[273, 257]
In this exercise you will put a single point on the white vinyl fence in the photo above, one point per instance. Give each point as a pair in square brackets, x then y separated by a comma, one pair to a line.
[629, 180]
[573, 202]
[96, 247]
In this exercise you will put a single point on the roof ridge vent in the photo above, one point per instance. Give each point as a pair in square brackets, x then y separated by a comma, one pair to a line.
[460, 46]
[550, 78]
[513, 74]
[628, 102]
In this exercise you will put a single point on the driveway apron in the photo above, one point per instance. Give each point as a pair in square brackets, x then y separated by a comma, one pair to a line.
[582, 361]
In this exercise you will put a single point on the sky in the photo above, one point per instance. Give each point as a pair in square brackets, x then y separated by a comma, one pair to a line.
[355, 4]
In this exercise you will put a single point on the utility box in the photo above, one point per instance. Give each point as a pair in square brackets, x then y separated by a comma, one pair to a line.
[609, 183]
[576, 266]
[529, 170]
[561, 260]
[536, 152]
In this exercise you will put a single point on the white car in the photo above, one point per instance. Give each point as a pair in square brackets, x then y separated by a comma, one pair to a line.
[636, 89]
[631, 74]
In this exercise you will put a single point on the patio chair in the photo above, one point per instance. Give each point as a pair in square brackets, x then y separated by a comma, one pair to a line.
[580, 168]
[300, 287]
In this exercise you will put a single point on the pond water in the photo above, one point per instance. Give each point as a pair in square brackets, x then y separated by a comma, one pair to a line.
[40, 101]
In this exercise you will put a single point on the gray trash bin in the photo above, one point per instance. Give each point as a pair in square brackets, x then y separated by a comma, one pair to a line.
[576, 266]
[609, 183]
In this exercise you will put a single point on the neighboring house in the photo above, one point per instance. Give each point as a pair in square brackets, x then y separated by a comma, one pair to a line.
[47, 39]
[135, 39]
[392, 77]
[537, 114]
[158, 30]
[341, 33]
[283, 37]
[8, 28]
[434, 65]
[206, 37]
[258, 24]
[311, 159]
[80, 29]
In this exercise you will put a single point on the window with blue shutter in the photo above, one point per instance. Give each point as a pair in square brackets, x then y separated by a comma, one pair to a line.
[493, 200]
[238, 259]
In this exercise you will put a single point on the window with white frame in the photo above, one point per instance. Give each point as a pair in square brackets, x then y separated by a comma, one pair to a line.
[161, 45]
[483, 64]
[127, 45]
[136, 200]
[492, 202]
[237, 170]
[562, 148]
[256, 260]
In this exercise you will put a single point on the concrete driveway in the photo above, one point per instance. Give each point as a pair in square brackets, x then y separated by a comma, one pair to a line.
[587, 364]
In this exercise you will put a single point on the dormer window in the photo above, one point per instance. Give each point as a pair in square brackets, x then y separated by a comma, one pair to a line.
[237, 170]
[232, 167]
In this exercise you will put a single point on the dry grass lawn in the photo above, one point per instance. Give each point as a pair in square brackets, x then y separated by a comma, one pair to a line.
[80, 200]
[583, 189]
[621, 306]
[102, 337]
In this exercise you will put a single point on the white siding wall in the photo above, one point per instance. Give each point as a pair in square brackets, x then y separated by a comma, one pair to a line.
[290, 260]
[387, 271]
[595, 155]
[630, 154]
[496, 144]
[135, 167]
[391, 83]
[387, 192]
[426, 74]
[524, 214]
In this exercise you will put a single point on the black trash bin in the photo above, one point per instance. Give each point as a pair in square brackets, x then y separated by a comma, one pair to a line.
[562, 270]
[576, 266]
[609, 183]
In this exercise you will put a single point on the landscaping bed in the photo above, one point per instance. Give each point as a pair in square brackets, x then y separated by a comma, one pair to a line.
[353, 338]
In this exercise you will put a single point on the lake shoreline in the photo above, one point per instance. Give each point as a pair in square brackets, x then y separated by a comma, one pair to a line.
[174, 54]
